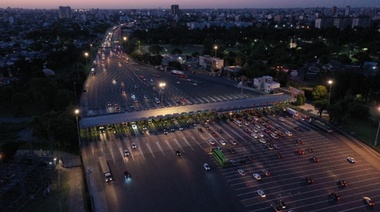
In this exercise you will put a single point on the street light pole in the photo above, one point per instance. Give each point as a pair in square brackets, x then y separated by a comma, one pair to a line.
[162, 86]
[77, 122]
[215, 48]
[378, 129]
[330, 83]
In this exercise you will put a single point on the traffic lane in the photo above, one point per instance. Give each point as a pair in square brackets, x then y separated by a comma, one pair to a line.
[160, 180]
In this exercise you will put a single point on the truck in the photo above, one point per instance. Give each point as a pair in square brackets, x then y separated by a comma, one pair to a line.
[292, 111]
[105, 169]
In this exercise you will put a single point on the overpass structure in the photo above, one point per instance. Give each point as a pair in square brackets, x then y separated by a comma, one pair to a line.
[262, 101]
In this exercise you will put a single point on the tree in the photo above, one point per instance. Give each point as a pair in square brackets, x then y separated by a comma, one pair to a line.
[321, 105]
[300, 99]
[155, 49]
[319, 92]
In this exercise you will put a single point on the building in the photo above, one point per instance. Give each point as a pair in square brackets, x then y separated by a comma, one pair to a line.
[343, 22]
[175, 9]
[265, 84]
[211, 64]
[64, 12]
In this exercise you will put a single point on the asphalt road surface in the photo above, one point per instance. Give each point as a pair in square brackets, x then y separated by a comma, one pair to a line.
[162, 181]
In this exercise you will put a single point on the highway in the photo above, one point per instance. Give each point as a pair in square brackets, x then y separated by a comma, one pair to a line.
[162, 181]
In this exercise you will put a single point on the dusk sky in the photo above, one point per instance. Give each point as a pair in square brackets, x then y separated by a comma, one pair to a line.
[184, 4]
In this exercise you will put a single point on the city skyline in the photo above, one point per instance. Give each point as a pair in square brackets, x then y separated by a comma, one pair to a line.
[185, 4]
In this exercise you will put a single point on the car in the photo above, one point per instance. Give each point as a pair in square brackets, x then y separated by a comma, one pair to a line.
[254, 135]
[178, 153]
[266, 172]
[309, 180]
[256, 176]
[334, 195]
[262, 140]
[368, 201]
[282, 204]
[315, 159]
[200, 129]
[351, 160]
[241, 171]
[126, 174]
[300, 152]
[267, 131]
[246, 130]
[213, 134]
[232, 150]
[220, 130]
[276, 146]
[298, 128]
[212, 142]
[276, 209]
[310, 150]
[233, 142]
[134, 146]
[222, 142]
[255, 130]
[206, 166]
[279, 156]
[288, 133]
[126, 153]
[342, 183]
[281, 119]
[269, 146]
[260, 134]
[299, 141]
[261, 193]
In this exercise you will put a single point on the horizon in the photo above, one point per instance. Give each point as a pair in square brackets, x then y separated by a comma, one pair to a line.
[188, 4]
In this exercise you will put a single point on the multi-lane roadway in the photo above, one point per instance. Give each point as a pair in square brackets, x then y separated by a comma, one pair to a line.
[165, 182]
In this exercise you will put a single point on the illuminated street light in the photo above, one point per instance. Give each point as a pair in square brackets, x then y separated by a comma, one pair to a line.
[76, 111]
[86, 55]
[216, 49]
[378, 129]
[162, 87]
[330, 82]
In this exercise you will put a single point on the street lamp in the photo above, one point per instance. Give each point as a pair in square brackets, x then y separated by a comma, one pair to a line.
[378, 129]
[86, 55]
[162, 86]
[215, 48]
[330, 82]
[76, 111]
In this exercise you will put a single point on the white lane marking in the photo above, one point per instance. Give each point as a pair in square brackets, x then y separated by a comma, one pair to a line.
[184, 138]
[178, 144]
[159, 146]
[150, 149]
[167, 142]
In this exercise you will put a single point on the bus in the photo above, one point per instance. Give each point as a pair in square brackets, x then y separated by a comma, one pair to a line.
[321, 125]
[105, 169]
[220, 157]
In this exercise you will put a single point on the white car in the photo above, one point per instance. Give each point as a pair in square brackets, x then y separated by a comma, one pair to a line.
[262, 140]
[126, 153]
[233, 142]
[261, 193]
[288, 133]
[254, 135]
[281, 119]
[134, 146]
[256, 176]
[255, 130]
[351, 159]
[222, 142]
[206, 166]
[260, 134]
[241, 171]
[212, 142]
